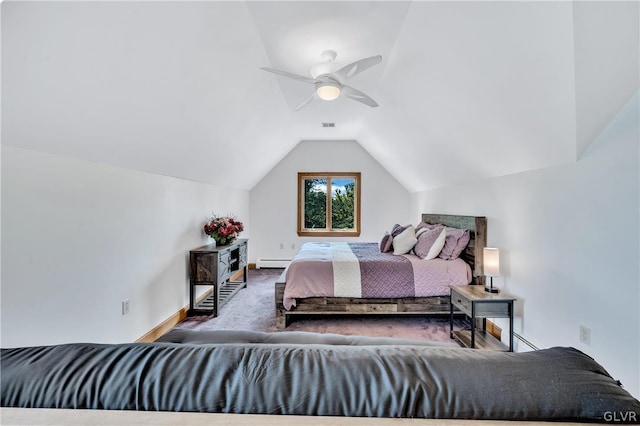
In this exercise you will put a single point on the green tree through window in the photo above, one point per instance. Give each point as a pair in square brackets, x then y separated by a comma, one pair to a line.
[329, 204]
[342, 205]
[315, 202]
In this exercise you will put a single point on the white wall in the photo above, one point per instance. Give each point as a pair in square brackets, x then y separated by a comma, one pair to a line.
[79, 237]
[274, 199]
[606, 48]
[569, 245]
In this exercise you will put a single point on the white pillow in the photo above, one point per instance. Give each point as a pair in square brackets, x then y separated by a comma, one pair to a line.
[404, 241]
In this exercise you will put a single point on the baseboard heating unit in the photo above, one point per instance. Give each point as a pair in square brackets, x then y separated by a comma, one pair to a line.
[272, 263]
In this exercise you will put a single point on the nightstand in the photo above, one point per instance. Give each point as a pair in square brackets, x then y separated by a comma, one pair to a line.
[479, 304]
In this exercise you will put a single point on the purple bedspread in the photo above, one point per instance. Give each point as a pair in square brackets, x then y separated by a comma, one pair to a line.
[360, 270]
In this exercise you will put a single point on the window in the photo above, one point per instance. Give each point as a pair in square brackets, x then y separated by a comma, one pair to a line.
[334, 215]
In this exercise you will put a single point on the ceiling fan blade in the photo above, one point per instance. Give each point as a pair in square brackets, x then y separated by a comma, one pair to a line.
[291, 75]
[357, 95]
[305, 102]
[357, 67]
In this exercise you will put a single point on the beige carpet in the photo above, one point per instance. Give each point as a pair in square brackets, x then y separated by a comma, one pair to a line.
[253, 308]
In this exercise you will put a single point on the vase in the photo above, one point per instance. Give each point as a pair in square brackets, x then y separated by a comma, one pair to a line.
[223, 241]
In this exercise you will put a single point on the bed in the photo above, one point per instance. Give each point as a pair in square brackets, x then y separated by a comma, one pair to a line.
[300, 374]
[293, 295]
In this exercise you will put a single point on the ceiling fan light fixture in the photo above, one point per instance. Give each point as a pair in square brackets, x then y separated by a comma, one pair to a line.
[329, 81]
[327, 91]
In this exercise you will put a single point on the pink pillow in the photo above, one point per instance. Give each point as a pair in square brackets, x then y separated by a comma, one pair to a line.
[455, 242]
[427, 226]
[386, 242]
[430, 243]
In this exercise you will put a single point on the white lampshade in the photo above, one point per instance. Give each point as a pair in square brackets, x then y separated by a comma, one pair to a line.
[491, 261]
[328, 91]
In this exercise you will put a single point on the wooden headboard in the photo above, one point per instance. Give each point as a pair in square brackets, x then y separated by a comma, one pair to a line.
[477, 226]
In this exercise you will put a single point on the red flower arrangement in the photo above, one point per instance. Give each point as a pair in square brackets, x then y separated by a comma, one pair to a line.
[223, 229]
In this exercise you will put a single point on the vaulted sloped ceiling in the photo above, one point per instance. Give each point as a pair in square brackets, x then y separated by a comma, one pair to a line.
[467, 90]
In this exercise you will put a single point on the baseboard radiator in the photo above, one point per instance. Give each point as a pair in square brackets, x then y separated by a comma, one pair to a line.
[525, 341]
[272, 263]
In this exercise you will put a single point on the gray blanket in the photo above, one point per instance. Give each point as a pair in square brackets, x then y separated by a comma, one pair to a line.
[315, 379]
[292, 337]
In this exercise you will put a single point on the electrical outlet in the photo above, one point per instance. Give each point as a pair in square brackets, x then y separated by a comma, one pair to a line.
[125, 307]
[585, 335]
[281, 246]
[293, 246]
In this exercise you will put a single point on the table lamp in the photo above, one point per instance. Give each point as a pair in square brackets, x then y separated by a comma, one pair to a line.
[491, 266]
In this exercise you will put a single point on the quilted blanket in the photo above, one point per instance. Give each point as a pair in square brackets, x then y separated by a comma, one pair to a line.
[360, 270]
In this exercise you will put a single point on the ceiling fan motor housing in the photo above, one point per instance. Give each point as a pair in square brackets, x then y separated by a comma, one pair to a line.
[327, 66]
[323, 68]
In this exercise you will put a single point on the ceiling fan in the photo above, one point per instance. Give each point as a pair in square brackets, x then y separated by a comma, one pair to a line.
[329, 82]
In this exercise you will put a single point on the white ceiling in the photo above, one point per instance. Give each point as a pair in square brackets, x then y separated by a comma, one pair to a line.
[467, 90]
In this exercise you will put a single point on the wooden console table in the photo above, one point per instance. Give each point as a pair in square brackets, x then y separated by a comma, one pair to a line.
[214, 266]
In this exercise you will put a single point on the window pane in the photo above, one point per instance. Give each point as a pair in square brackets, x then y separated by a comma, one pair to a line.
[315, 203]
[342, 202]
[329, 204]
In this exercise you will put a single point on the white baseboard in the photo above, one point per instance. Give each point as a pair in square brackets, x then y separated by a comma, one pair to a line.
[272, 263]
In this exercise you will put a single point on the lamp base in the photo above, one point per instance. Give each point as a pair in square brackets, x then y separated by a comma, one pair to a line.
[490, 289]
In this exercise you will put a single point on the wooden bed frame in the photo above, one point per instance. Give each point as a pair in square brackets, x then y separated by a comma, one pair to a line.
[434, 305]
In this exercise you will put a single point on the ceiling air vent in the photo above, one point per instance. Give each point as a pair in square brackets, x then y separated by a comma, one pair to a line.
[328, 124]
